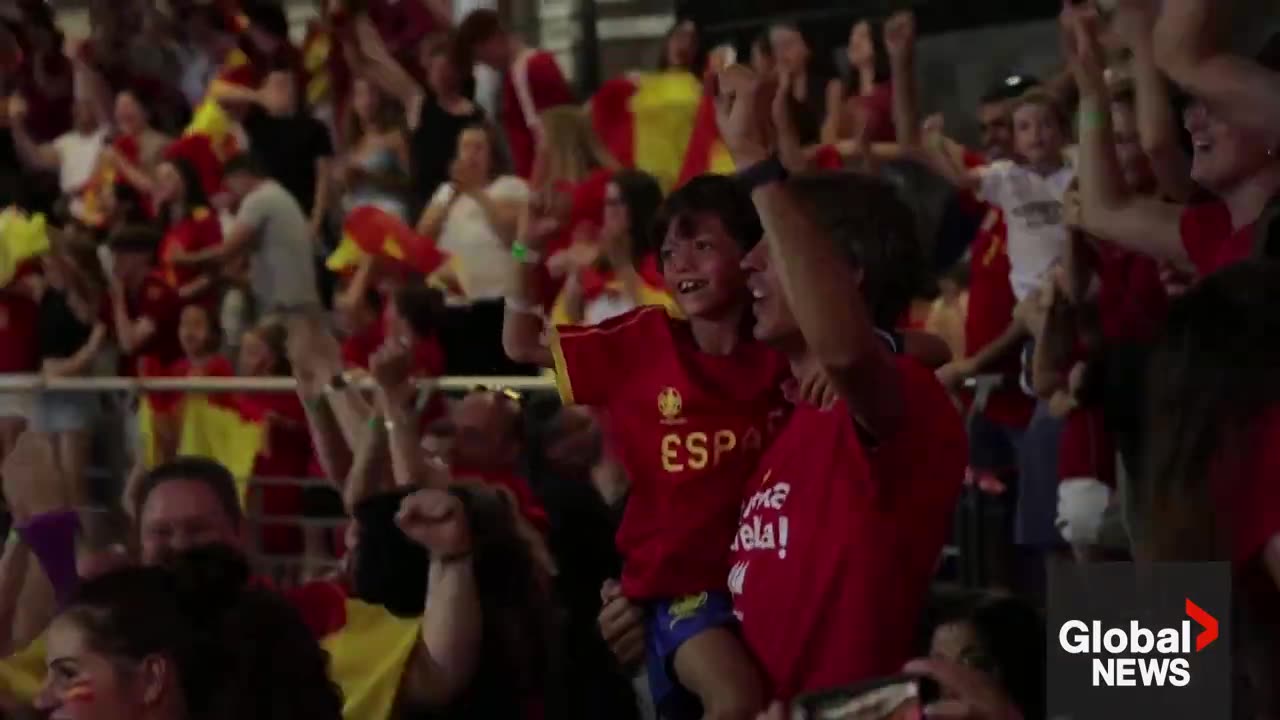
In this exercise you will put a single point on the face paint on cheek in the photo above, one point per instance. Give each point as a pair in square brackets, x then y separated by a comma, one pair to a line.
[81, 693]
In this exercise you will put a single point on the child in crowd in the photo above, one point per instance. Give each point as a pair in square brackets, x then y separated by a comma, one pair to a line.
[200, 338]
[286, 447]
[688, 406]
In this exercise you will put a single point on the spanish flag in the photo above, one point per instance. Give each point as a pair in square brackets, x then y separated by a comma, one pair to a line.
[368, 647]
[706, 152]
[371, 231]
[647, 120]
[104, 176]
[213, 425]
[22, 238]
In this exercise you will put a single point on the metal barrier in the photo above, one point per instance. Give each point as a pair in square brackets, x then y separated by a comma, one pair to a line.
[35, 383]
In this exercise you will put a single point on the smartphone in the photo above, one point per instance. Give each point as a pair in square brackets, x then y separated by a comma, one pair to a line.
[900, 697]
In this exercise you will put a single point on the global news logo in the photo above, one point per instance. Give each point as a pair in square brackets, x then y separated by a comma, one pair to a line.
[1137, 656]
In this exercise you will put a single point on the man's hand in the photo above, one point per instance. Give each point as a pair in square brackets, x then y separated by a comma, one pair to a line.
[621, 625]
[540, 220]
[436, 520]
[743, 111]
[954, 374]
[1185, 34]
[787, 137]
[390, 366]
[900, 36]
[33, 484]
[17, 109]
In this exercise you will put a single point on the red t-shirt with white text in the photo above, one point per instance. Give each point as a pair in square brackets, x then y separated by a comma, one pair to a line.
[838, 541]
[688, 427]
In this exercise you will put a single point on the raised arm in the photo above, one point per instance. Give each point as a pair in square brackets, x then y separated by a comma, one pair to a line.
[1188, 46]
[900, 40]
[1157, 123]
[40, 156]
[811, 269]
[452, 621]
[522, 326]
[1109, 210]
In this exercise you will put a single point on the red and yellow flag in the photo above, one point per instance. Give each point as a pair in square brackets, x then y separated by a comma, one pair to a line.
[371, 231]
[706, 152]
[647, 120]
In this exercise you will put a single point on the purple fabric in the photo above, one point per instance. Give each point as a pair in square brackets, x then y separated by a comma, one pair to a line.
[52, 538]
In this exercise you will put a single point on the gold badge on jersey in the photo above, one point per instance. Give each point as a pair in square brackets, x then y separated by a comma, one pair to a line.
[670, 404]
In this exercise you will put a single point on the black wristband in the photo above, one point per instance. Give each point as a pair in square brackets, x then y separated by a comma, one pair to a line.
[764, 172]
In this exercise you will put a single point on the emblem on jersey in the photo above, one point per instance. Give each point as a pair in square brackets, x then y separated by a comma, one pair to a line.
[670, 404]
[686, 608]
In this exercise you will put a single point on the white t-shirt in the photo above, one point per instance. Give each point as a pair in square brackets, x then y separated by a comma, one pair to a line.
[1032, 206]
[485, 266]
[77, 157]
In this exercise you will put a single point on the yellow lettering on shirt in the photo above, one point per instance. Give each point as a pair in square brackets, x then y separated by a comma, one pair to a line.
[699, 450]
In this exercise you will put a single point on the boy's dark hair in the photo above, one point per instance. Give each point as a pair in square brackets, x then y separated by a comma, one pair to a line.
[210, 473]
[246, 163]
[1009, 88]
[718, 195]
[875, 229]
[477, 28]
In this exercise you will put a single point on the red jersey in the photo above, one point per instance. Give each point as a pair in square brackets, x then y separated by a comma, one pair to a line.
[991, 303]
[1132, 300]
[839, 542]
[358, 347]
[1248, 490]
[533, 84]
[156, 300]
[215, 366]
[19, 352]
[285, 453]
[1211, 240]
[688, 427]
[198, 231]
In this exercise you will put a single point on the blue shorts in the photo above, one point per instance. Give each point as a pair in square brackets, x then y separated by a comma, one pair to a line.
[668, 625]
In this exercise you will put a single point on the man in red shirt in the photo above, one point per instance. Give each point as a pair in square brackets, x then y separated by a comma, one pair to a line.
[531, 81]
[845, 518]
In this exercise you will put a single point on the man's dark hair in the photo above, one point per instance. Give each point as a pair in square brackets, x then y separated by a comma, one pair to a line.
[477, 28]
[246, 163]
[875, 229]
[210, 473]
[1009, 88]
[717, 195]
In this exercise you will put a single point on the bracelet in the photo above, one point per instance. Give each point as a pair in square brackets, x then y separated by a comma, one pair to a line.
[524, 254]
[1090, 119]
[374, 422]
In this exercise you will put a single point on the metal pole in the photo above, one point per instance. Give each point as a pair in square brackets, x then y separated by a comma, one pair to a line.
[588, 49]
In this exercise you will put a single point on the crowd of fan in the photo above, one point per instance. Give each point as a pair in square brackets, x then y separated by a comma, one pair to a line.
[771, 401]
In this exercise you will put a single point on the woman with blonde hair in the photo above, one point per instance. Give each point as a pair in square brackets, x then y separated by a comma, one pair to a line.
[569, 150]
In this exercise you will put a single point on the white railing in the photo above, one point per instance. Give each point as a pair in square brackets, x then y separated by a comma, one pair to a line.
[35, 383]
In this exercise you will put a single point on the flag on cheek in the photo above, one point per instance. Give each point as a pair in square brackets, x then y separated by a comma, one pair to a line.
[80, 691]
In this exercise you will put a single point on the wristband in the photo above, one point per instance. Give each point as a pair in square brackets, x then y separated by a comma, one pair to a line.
[52, 539]
[524, 254]
[1091, 119]
[765, 172]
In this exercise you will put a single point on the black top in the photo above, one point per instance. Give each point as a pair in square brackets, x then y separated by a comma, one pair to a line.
[60, 333]
[432, 147]
[288, 148]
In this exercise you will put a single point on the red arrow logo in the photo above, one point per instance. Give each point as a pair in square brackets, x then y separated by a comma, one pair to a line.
[1206, 621]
